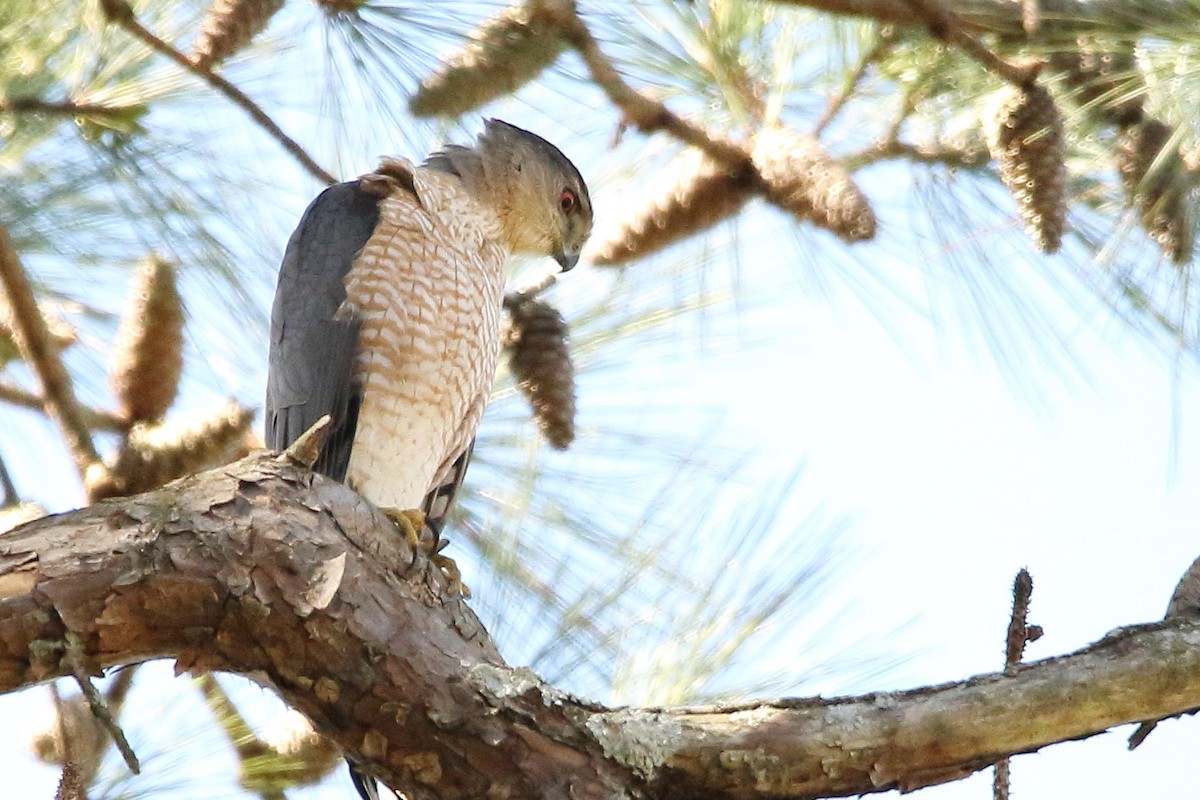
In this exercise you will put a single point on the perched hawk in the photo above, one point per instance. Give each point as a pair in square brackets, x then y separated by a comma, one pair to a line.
[387, 313]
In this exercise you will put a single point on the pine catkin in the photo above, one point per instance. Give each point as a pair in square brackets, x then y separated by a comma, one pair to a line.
[698, 194]
[506, 52]
[155, 454]
[540, 360]
[229, 27]
[802, 178]
[1156, 184]
[147, 358]
[1025, 138]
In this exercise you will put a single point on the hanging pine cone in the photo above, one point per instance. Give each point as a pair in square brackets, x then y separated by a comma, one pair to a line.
[228, 28]
[155, 454]
[1025, 137]
[802, 178]
[1103, 79]
[540, 361]
[1156, 184]
[698, 194]
[506, 52]
[147, 358]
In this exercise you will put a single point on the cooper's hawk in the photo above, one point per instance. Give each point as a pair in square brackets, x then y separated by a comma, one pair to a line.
[387, 313]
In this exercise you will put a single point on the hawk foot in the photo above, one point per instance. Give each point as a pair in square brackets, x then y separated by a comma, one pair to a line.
[410, 521]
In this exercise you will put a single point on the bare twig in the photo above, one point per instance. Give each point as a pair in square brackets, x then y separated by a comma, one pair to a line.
[41, 354]
[945, 25]
[96, 420]
[11, 498]
[1019, 633]
[97, 705]
[121, 13]
[70, 785]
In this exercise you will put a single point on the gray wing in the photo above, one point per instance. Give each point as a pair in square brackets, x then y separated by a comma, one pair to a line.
[311, 366]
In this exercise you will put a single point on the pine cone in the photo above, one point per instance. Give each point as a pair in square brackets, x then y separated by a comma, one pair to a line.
[1026, 139]
[802, 178]
[698, 194]
[155, 454]
[536, 341]
[1157, 186]
[506, 52]
[1103, 79]
[228, 28]
[147, 358]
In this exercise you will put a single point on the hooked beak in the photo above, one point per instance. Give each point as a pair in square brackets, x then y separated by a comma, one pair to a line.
[566, 260]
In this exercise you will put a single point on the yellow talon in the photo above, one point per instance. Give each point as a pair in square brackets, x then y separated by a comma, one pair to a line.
[410, 521]
[453, 575]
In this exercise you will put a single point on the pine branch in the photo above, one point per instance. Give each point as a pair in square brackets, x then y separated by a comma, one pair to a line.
[40, 353]
[94, 419]
[264, 568]
[945, 25]
[120, 13]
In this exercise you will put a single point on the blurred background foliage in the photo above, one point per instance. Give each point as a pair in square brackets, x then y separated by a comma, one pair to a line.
[656, 560]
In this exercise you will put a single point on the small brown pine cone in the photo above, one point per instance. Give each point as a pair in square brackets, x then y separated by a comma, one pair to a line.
[1156, 184]
[1102, 78]
[540, 360]
[228, 28]
[1025, 137]
[147, 358]
[155, 454]
[802, 178]
[698, 194]
[506, 52]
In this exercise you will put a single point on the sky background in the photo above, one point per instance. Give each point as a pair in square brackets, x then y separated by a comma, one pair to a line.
[944, 463]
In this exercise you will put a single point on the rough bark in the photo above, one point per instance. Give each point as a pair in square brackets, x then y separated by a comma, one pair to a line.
[264, 569]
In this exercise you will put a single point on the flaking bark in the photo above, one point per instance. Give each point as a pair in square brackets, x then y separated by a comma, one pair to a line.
[265, 569]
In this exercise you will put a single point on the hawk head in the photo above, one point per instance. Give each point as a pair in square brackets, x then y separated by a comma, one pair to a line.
[538, 195]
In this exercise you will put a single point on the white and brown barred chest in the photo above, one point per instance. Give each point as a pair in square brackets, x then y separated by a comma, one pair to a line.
[427, 288]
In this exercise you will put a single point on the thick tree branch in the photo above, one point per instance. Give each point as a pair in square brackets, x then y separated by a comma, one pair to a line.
[264, 569]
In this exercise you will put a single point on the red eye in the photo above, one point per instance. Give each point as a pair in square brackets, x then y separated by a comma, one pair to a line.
[567, 200]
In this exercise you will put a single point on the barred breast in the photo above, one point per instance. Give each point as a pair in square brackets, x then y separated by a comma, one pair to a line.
[428, 288]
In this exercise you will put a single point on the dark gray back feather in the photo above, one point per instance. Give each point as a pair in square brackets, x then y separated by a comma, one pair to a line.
[311, 365]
